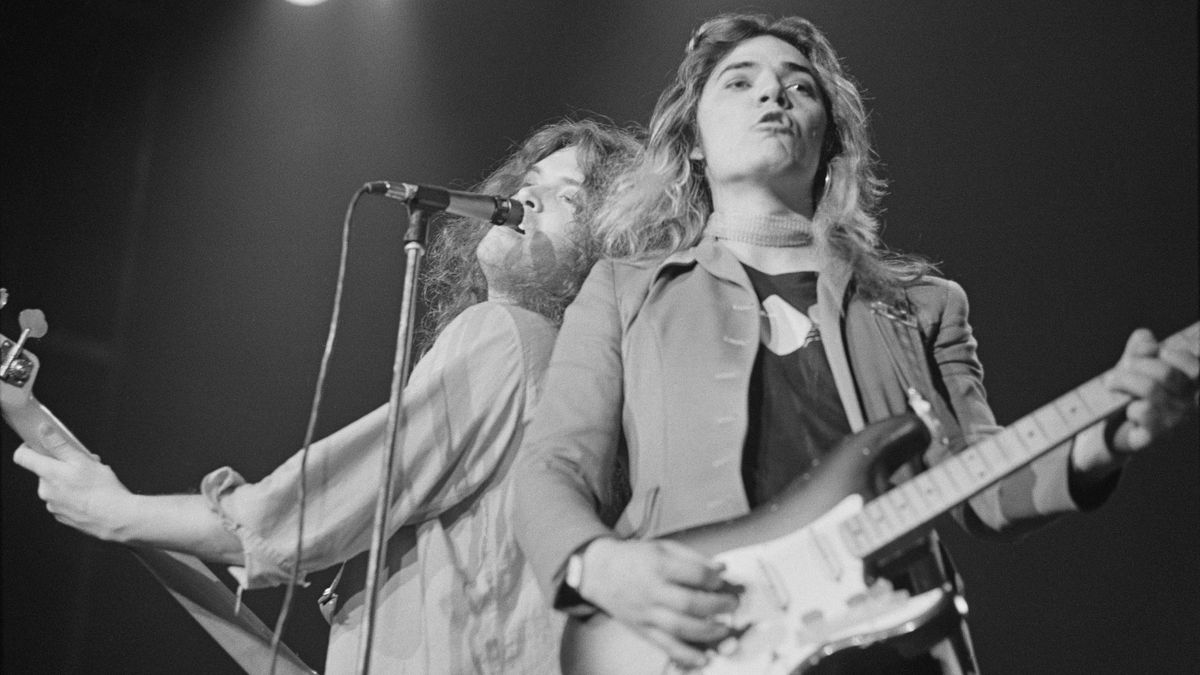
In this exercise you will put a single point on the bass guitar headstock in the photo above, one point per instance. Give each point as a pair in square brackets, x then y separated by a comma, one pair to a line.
[19, 367]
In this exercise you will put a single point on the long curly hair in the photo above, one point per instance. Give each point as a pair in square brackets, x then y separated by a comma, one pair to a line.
[454, 279]
[661, 204]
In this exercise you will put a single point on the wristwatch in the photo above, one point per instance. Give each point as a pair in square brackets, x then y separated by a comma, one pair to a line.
[574, 575]
[569, 598]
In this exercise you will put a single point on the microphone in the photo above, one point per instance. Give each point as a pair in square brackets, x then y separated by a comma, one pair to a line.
[495, 210]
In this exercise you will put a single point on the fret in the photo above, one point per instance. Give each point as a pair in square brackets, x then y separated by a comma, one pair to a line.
[898, 520]
[902, 510]
[1012, 444]
[1099, 398]
[880, 515]
[959, 474]
[976, 466]
[1052, 424]
[1074, 409]
[879, 518]
[1030, 433]
[918, 501]
[994, 453]
[941, 474]
[934, 496]
[898, 502]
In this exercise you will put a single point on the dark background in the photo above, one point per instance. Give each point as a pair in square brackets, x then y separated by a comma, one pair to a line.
[174, 177]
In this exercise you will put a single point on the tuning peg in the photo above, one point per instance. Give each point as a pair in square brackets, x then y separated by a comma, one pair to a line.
[33, 324]
[33, 321]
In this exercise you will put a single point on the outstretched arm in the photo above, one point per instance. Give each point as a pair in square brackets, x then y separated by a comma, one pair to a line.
[464, 407]
[1080, 473]
[84, 493]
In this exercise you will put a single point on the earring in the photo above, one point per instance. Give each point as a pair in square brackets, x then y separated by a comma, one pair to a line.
[824, 187]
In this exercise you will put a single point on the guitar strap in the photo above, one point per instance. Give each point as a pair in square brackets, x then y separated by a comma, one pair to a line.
[898, 332]
[238, 630]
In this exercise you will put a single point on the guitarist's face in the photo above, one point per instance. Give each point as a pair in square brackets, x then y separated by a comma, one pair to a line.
[760, 122]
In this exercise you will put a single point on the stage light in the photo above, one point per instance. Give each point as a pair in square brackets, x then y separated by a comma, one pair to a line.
[305, 3]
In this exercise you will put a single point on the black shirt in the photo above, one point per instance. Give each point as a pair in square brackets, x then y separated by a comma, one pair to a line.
[795, 414]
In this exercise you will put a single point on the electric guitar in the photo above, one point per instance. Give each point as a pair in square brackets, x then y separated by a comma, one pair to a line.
[809, 559]
[238, 630]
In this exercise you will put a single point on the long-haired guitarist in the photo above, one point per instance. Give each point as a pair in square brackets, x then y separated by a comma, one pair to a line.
[748, 319]
[458, 597]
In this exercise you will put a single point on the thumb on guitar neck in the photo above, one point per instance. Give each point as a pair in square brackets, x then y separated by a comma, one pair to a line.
[55, 441]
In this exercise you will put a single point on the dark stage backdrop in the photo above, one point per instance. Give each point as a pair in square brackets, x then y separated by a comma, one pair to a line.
[174, 177]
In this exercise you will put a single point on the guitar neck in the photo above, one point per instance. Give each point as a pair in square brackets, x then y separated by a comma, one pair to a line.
[911, 507]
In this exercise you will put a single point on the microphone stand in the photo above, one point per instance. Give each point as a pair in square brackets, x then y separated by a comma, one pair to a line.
[414, 251]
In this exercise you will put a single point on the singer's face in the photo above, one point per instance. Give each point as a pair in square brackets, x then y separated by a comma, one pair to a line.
[550, 194]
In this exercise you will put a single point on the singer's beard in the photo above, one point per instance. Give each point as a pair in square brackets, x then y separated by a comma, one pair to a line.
[546, 281]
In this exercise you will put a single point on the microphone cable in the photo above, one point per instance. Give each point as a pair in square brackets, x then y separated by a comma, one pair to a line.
[289, 594]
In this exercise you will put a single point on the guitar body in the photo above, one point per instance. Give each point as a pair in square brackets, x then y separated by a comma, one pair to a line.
[790, 622]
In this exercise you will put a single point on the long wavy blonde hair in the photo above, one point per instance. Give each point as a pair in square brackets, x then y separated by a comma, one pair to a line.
[454, 280]
[660, 205]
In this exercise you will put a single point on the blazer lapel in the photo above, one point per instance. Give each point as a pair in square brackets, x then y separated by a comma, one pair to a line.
[832, 286]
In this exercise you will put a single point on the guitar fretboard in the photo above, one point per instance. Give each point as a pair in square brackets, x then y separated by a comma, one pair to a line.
[913, 505]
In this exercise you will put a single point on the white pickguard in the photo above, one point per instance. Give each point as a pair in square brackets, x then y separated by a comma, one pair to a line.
[794, 619]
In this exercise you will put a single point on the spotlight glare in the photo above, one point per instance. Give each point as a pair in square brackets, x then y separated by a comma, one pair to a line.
[305, 3]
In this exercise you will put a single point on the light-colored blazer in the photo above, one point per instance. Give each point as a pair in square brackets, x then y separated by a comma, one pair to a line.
[657, 356]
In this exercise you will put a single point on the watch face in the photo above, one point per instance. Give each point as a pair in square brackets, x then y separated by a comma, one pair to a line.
[574, 571]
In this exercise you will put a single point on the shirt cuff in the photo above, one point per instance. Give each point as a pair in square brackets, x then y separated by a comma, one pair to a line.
[263, 567]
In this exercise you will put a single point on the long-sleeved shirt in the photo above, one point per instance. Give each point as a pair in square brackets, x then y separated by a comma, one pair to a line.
[458, 596]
